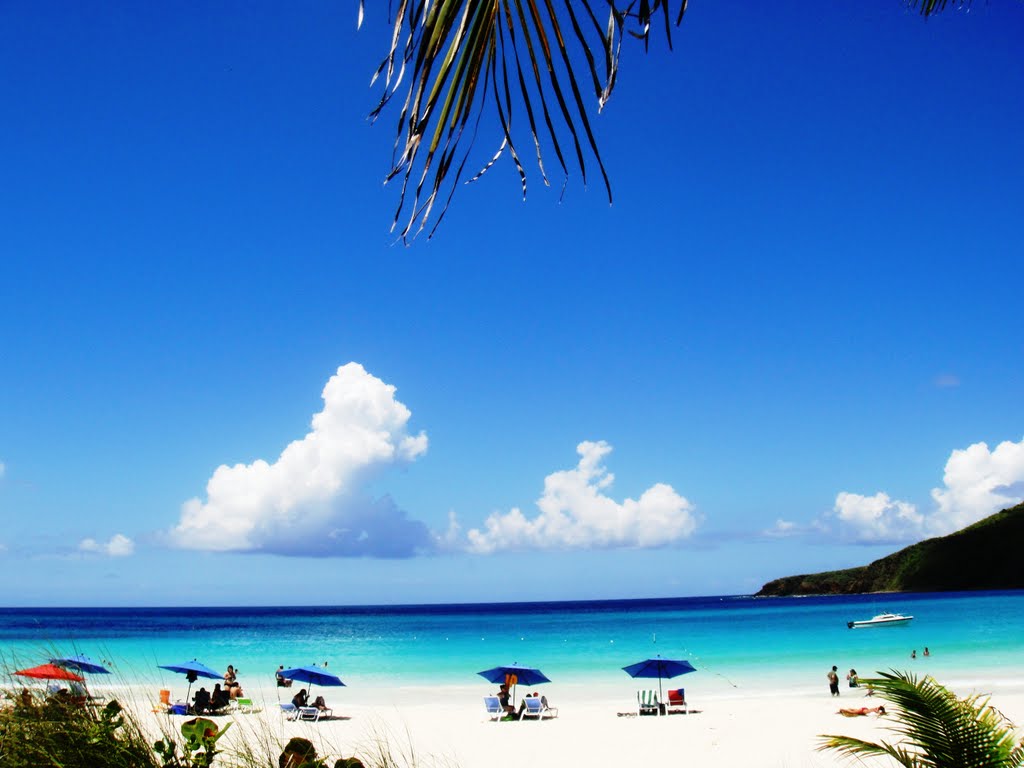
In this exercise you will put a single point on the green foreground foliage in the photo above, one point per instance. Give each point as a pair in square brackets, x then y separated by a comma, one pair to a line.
[938, 729]
[63, 734]
[69, 736]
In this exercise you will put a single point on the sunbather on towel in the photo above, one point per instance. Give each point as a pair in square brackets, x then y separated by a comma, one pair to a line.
[858, 711]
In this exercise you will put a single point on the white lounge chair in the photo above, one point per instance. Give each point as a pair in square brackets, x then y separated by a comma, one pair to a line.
[314, 713]
[533, 706]
[548, 711]
[289, 711]
[493, 707]
[647, 703]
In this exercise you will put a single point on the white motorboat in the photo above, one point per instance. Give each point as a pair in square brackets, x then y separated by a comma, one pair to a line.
[881, 620]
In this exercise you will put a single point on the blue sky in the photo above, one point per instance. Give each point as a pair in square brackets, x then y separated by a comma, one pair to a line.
[792, 343]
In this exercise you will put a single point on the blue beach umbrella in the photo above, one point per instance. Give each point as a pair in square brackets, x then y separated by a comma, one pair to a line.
[313, 675]
[659, 668]
[192, 670]
[81, 663]
[513, 674]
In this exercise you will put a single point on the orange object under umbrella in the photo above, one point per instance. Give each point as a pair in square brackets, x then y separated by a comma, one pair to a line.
[50, 672]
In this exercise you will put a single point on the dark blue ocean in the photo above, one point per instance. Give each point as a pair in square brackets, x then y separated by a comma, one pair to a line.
[735, 639]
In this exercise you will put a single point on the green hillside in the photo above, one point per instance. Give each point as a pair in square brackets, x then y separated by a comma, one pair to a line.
[986, 555]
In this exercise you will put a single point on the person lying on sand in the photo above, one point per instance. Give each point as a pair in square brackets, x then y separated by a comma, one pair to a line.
[858, 711]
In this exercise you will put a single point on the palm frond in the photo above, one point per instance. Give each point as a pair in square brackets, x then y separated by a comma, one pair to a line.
[928, 7]
[851, 747]
[464, 63]
[938, 729]
[463, 60]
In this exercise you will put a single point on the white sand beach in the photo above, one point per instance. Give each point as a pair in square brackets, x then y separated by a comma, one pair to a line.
[447, 726]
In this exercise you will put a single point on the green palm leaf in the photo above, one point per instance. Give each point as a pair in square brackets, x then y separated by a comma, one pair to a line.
[938, 729]
[464, 61]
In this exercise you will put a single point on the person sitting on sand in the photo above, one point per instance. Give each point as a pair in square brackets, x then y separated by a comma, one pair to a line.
[300, 698]
[282, 681]
[503, 699]
[859, 711]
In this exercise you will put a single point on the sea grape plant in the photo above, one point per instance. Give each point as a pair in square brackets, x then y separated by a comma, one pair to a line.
[199, 747]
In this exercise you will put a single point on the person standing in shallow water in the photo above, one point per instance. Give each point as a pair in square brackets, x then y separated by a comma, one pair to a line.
[833, 680]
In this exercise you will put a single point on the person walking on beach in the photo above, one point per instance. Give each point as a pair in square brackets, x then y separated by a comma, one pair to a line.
[833, 680]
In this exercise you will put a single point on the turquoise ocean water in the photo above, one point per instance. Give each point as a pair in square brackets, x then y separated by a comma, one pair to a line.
[733, 640]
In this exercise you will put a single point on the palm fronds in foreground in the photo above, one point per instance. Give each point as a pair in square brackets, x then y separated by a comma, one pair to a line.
[463, 58]
[516, 61]
[938, 729]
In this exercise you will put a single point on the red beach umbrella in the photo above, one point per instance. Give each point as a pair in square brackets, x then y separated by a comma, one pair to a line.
[49, 672]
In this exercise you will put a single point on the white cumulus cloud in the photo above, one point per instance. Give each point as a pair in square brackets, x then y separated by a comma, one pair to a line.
[311, 500]
[783, 528]
[877, 518]
[978, 482]
[119, 545]
[575, 512]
